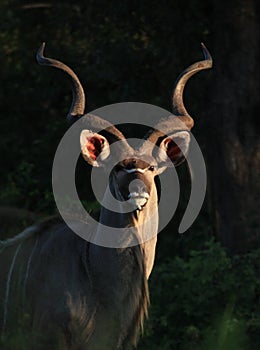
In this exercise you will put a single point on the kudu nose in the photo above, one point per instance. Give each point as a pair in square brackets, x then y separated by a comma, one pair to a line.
[137, 186]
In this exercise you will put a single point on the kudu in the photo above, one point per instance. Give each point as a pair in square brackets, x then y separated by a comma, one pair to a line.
[82, 295]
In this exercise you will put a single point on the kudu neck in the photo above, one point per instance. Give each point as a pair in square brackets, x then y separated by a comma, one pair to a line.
[134, 227]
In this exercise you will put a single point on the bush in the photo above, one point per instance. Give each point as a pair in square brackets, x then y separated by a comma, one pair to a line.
[205, 302]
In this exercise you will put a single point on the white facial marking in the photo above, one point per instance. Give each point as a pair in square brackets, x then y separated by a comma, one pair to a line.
[135, 170]
[137, 195]
[138, 199]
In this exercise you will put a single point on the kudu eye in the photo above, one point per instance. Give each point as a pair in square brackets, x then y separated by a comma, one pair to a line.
[152, 168]
[118, 167]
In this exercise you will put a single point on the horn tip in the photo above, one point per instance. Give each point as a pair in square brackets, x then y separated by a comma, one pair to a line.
[39, 55]
[206, 53]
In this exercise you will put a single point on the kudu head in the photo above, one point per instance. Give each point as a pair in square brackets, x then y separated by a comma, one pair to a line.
[165, 145]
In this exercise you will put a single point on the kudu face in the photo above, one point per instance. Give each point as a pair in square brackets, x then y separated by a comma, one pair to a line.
[135, 179]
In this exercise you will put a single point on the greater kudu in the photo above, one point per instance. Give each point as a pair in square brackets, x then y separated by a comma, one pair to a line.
[81, 295]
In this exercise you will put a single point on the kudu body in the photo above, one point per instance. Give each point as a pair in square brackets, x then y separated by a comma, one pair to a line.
[82, 295]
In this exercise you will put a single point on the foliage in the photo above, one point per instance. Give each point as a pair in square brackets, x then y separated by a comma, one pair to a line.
[208, 301]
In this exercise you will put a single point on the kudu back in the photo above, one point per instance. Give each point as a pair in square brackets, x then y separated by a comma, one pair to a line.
[73, 294]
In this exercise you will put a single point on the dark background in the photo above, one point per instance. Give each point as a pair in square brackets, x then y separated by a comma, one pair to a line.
[204, 286]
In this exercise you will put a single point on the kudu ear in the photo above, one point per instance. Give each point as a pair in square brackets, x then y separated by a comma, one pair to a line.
[94, 147]
[174, 147]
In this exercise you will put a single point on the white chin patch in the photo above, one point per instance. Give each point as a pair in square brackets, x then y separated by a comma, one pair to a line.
[138, 199]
